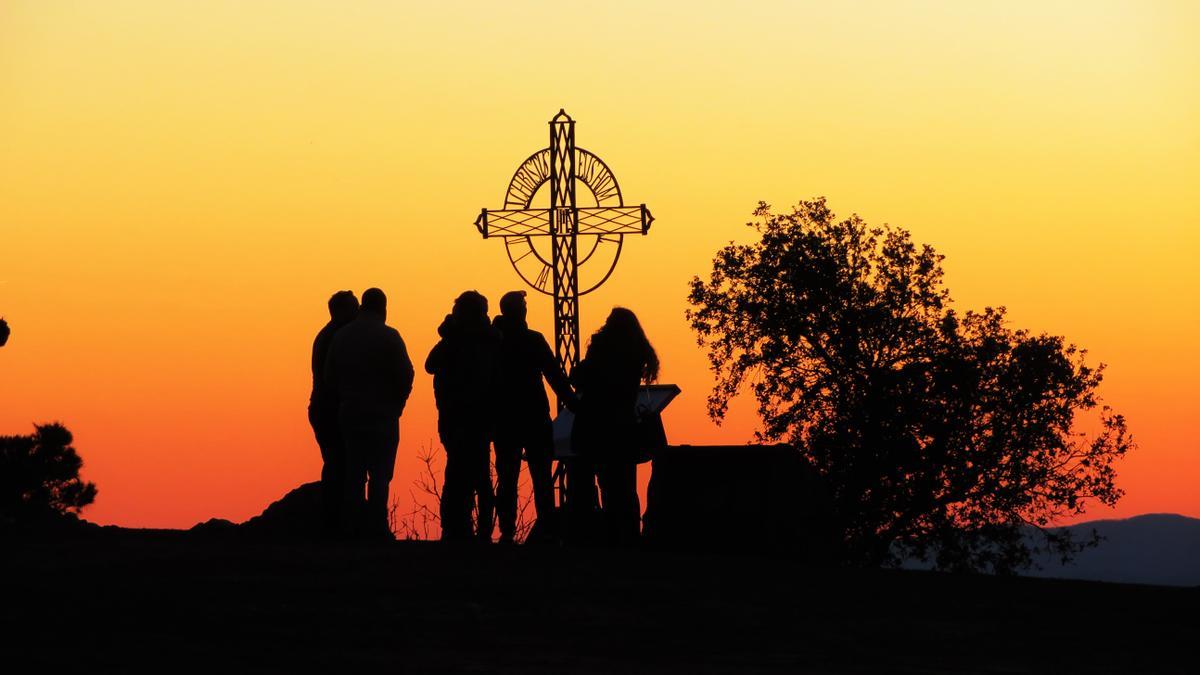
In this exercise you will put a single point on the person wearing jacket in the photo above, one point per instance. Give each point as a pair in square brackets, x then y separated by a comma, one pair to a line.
[523, 417]
[464, 366]
[369, 368]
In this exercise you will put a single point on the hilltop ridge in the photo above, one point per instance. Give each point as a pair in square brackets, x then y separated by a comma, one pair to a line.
[1152, 548]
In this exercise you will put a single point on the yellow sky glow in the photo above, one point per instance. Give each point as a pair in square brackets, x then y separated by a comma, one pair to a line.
[183, 184]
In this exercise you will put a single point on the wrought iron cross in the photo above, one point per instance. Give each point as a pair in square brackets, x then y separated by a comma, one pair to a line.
[601, 229]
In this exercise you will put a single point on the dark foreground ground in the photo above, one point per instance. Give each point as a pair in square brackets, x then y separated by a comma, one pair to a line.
[173, 602]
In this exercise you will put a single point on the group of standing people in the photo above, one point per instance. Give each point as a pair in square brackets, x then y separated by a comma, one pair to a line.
[362, 378]
[488, 386]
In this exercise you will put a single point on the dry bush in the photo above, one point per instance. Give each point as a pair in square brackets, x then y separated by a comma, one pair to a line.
[423, 521]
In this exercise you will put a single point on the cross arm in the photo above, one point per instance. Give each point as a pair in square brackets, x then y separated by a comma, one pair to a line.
[513, 222]
[615, 220]
[599, 220]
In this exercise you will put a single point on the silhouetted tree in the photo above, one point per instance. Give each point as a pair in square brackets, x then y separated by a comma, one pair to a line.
[942, 436]
[39, 477]
[4, 332]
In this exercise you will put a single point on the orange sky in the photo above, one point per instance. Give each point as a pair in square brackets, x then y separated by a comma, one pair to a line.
[183, 184]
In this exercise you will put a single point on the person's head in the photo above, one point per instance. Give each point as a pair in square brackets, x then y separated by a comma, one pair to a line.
[512, 305]
[374, 302]
[621, 338]
[4, 332]
[470, 309]
[342, 307]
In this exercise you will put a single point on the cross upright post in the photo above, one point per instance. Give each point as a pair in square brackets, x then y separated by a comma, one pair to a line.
[564, 232]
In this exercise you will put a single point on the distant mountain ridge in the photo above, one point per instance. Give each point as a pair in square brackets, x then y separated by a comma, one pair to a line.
[1155, 548]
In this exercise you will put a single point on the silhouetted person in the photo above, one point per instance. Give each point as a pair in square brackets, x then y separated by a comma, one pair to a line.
[4, 332]
[464, 368]
[369, 368]
[323, 411]
[523, 421]
[619, 359]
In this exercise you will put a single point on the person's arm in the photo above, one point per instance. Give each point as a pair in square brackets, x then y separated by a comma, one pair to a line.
[553, 372]
[329, 373]
[577, 374]
[318, 359]
[320, 354]
[436, 358]
[404, 378]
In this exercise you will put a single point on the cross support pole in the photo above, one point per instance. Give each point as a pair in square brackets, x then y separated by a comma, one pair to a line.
[564, 231]
[563, 165]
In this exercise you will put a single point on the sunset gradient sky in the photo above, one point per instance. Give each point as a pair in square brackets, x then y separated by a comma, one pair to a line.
[183, 184]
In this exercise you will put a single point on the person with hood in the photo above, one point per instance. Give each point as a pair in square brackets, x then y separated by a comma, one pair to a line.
[464, 367]
[369, 368]
[523, 417]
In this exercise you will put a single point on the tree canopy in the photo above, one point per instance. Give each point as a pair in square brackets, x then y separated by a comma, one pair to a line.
[39, 477]
[943, 436]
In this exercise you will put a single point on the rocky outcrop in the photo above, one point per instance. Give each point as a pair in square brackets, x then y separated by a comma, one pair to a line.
[296, 515]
